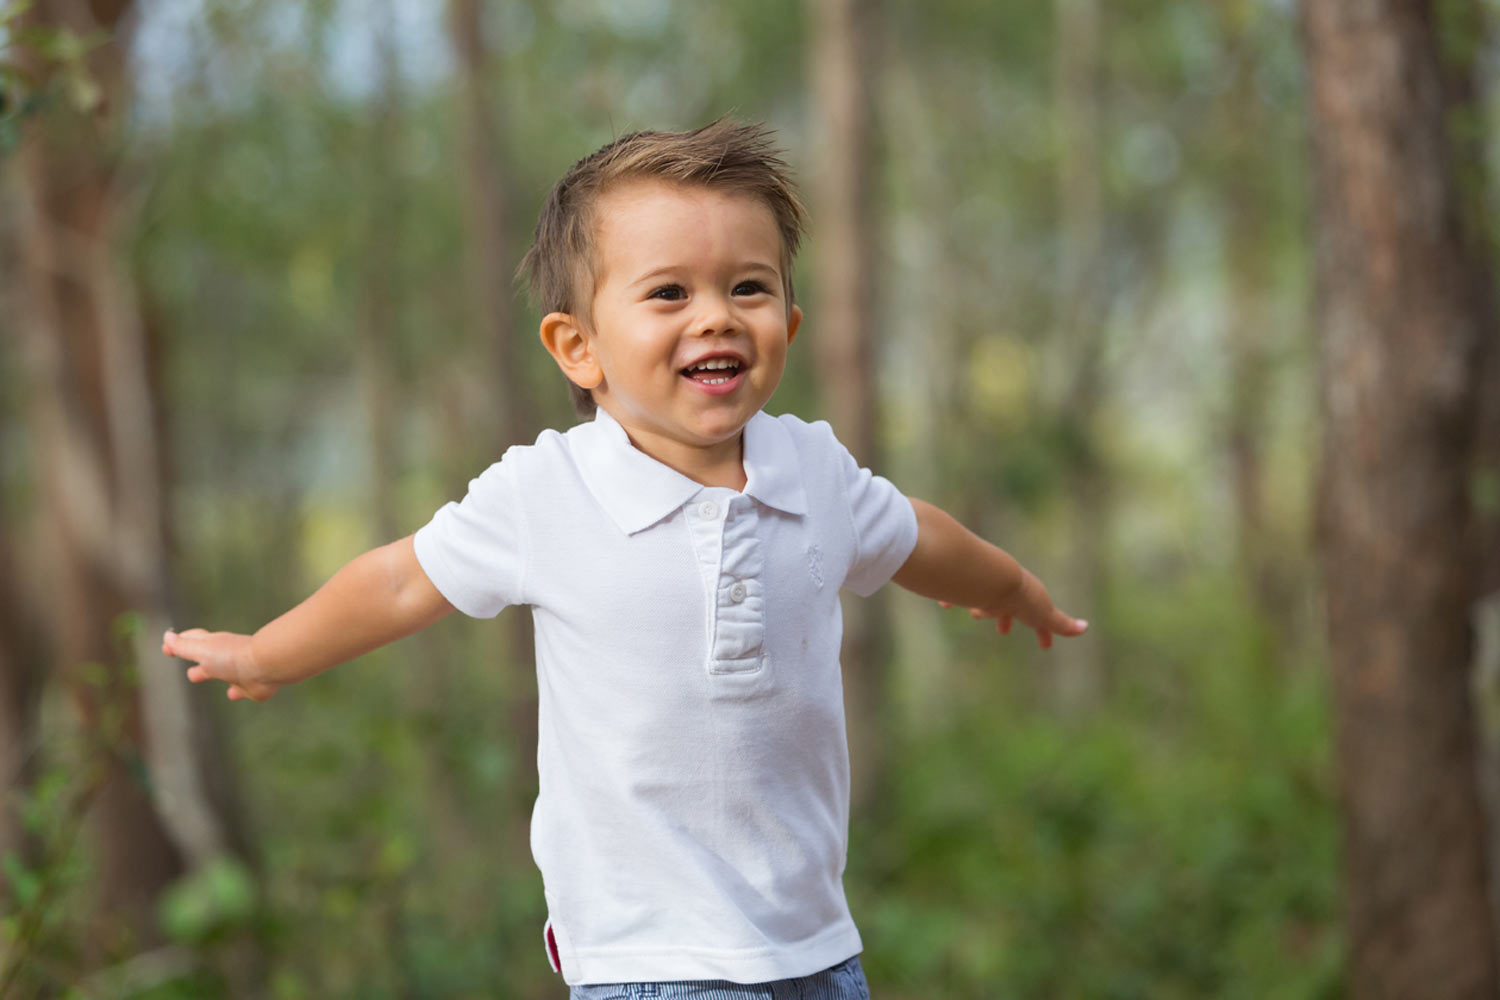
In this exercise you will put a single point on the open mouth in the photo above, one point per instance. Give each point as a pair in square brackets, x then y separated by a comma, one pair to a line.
[714, 371]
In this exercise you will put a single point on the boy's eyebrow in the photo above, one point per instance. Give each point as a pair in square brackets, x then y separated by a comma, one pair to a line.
[660, 272]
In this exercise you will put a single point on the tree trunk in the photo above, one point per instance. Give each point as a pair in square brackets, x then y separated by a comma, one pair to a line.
[94, 420]
[1077, 675]
[490, 260]
[924, 304]
[61, 335]
[845, 345]
[22, 673]
[1249, 255]
[379, 293]
[1403, 309]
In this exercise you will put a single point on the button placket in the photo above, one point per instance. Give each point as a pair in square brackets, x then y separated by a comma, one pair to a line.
[700, 518]
[739, 628]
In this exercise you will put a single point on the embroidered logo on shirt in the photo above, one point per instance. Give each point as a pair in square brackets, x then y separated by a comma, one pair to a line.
[815, 566]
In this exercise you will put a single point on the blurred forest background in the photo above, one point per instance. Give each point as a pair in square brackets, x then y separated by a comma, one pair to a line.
[256, 316]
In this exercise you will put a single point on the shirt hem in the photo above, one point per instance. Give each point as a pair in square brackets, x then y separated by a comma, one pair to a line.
[583, 966]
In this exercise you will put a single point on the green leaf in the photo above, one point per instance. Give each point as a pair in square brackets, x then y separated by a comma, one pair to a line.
[14, 10]
[287, 985]
[396, 855]
[94, 674]
[127, 625]
[25, 883]
[10, 136]
[136, 766]
[1484, 491]
[83, 90]
[218, 896]
[60, 45]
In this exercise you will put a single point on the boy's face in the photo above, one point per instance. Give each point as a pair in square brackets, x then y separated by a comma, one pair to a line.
[686, 275]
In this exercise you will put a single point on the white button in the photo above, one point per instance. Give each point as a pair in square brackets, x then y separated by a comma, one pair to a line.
[737, 593]
[708, 510]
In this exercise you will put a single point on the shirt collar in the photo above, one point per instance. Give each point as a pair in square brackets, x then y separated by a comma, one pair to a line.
[636, 490]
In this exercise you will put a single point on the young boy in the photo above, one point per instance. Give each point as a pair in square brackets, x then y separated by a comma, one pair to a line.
[682, 555]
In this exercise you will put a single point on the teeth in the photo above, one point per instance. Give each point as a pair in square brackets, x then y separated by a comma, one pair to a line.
[716, 363]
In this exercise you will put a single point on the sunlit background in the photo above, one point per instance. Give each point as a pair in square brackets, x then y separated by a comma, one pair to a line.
[1086, 282]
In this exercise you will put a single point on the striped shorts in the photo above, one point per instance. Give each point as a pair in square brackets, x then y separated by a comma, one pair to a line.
[845, 981]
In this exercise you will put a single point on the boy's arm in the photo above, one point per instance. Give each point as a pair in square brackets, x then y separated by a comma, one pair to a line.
[376, 598]
[953, 565]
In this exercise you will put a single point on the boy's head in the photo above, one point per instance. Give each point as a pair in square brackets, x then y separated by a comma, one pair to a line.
[563, 266]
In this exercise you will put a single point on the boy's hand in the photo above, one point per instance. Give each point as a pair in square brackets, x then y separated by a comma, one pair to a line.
[1033, 606]
[220, 656]
[952, 565]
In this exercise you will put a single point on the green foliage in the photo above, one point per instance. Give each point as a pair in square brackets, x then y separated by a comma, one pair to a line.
[39, 900]
[57, 55]
[393, 844]
[1180, 844]
[25, 884]
[209, 903]
[1484, 491]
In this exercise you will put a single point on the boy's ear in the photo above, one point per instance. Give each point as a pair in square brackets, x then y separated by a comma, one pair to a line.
[793, 321]
[563, 337]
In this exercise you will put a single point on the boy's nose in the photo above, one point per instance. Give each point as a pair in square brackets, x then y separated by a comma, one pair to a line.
[717, 317]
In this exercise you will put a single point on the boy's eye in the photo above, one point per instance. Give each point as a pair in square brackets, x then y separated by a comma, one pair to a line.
[669, 293]
[750, 288]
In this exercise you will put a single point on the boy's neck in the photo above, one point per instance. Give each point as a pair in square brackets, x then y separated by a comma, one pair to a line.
[722, 464]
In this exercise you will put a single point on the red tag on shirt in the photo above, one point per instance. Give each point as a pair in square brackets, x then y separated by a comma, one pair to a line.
[551, 941]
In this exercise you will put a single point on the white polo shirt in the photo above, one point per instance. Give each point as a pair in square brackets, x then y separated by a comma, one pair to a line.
[693, 808]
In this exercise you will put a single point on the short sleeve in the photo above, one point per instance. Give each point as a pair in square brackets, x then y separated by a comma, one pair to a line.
[885, 526]
[472, 550]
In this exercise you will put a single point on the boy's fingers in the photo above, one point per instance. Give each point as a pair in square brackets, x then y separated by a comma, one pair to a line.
[1044, 637]
[189, 646]
[240, 694]
[181, 644]
[1066, 624]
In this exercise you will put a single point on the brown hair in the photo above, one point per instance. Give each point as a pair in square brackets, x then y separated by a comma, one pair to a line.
[725, 154]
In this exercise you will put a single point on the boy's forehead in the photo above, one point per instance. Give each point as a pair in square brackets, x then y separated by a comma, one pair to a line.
[650, 215]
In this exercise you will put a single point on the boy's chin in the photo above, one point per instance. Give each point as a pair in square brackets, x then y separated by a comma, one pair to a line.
[717, 432]
[716, 428]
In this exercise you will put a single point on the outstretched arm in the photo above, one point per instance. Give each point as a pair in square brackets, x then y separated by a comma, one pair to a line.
[377, 598]
[953, 565]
